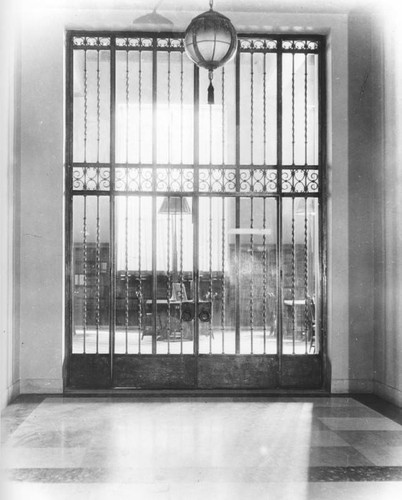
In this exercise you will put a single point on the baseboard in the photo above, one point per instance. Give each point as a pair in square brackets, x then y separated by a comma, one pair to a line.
[388, 393]
[41, 386]
[348, 386]
[14, 390]
[9, 394]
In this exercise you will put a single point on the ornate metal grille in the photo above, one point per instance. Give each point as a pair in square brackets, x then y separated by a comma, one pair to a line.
[194, 229]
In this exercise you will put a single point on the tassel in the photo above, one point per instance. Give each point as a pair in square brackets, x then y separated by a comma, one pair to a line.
[211, 99]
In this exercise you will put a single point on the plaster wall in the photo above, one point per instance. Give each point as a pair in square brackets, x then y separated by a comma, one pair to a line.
[388, 238]
[41, 286]
[9, 360]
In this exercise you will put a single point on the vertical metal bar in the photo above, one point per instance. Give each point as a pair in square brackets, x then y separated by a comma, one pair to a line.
[154, 183]
[169, 99]
[223, 141]
[181, 284]
[181, 107]
[98, 101]
[305, 113]
[98, 273]
[279, 117]
[264, 110]
[293, 209]
[98, 109]
[141, 301]
[85, 269]
[264, 273]
[196, 219]
[127, 312]
[279, 208]
[127, 102]
[264, 200]
[181, 199]
[306, 270]
[293, 111]
[112, 251]
[210, 273]
[252, 109]
[223, 238]
[237, 208]
[210, 232]
[293, 275]
[69, 243]
[85, 111]
[169, 277]
[321, 310]
[127, 315]
[279, 280]
[139, 109]
[306, 294]
[223, 284]
[251, 302]
[85, 254]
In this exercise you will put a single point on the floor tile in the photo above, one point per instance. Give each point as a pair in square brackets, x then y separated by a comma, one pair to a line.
[382, 455]
[16, 414]
[32, 458]
[66, 438]
[330, 402]
[345, 412]
[336, 456]
[365, 424]
[371, 438]
[326, 438]
[354, 473]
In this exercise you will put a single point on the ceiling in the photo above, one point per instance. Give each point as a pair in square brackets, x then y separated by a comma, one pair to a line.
[274, 6]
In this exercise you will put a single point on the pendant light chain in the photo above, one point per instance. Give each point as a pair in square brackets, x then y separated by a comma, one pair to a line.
[211, 4]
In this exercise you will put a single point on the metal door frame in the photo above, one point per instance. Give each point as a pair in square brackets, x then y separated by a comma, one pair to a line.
[278, 371]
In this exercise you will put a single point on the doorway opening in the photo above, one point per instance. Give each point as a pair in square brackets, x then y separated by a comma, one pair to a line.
[195, 251]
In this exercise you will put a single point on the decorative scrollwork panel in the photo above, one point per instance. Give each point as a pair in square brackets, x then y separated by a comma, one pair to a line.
[174, 179]
[300, 181]
[134, 179]
[258, 181]
[217, 180]
[91, 178]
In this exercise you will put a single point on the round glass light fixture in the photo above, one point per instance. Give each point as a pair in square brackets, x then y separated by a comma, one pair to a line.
[210, 41]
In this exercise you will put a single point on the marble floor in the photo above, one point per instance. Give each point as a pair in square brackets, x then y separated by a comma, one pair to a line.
[119, 448]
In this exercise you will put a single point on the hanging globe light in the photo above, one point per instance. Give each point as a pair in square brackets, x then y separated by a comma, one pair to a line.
[210, 41]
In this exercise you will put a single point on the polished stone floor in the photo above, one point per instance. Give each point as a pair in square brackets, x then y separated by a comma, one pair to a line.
[56, 448]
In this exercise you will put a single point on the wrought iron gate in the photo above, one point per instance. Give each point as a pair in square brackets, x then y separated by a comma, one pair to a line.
[194, 249]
